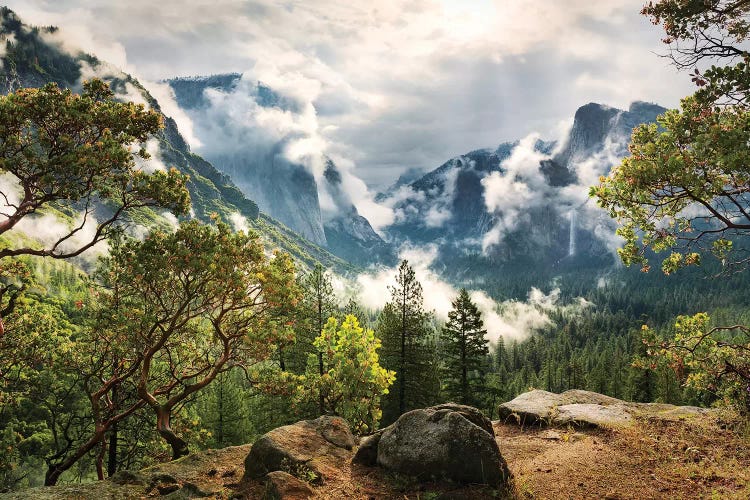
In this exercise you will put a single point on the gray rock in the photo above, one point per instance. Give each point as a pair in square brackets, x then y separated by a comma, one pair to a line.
[449, 441]
[593, 415]
[367, 453]
[530, 407]
[320, 445]
[283, 486]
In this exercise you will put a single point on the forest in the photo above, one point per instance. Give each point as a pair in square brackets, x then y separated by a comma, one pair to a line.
[124, 346]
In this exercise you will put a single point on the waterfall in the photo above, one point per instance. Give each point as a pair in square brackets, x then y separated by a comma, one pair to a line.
[572, 242]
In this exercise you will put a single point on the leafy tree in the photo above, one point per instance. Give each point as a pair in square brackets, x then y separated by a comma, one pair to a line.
[685, 186]
[354, 381]
[709, 359]
[71, 151]
[463, 351]
[177, 310]
[407, 346]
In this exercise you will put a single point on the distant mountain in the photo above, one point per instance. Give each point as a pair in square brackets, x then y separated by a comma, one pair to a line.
[552, 224]
[286, 190]
[348, 234]
[32, 58]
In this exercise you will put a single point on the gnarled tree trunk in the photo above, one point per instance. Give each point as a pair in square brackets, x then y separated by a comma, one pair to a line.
[163, 425]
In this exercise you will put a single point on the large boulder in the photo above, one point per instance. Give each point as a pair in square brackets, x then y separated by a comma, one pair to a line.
[449, 441]
[319, 446]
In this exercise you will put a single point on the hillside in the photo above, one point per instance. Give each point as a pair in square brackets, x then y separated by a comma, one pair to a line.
[226, 109]
[34, 57]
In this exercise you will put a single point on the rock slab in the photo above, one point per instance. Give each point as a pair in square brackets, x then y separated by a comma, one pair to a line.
[586, 409]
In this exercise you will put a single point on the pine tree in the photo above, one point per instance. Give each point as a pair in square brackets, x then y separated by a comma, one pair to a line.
[407, 347]
[463, 351]
[318, 304]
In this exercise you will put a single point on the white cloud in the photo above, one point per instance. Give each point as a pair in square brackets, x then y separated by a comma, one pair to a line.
[397, 84]
[239, 222]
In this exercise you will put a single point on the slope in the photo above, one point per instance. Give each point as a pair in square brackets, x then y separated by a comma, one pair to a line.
[34, 56]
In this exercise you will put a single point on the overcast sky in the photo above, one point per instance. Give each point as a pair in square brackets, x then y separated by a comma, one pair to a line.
[394, 84]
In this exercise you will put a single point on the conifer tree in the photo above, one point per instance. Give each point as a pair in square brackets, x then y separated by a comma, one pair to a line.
[463, 351]
[407, 347]
[319, 304]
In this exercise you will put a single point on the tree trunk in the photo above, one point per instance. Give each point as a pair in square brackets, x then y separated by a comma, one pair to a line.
[163, 426]
[55, 471]
[112, 452]
[100, 460]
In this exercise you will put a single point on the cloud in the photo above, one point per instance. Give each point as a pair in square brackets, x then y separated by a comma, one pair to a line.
[395, 85]
[510, 194]
[511, 319]
[239, 222]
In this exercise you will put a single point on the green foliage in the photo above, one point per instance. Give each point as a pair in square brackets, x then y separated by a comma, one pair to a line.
[354, 381]
[408, 347]
[682, 188]
[708, 359]
[72, 150]
[463, 352]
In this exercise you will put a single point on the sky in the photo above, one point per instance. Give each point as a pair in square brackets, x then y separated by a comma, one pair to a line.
[393, 84]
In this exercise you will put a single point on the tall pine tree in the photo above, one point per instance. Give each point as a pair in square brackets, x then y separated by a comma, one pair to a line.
[408, 348]
[318, 304]
[464, 350]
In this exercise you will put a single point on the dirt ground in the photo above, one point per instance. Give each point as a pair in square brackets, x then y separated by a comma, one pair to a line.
[701, 457]
[657, 459]
[697, 458]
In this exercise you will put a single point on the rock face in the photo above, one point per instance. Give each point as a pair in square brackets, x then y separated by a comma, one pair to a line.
[449, 441]
[586, 409]
[318, 446]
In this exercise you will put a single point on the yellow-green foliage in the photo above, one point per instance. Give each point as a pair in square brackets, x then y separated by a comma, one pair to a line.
[353, 380]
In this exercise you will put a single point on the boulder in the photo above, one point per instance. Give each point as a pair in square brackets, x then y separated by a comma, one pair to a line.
[318, 446]
[530, 407]
[450, 441]
[283, 486]
[542, 407]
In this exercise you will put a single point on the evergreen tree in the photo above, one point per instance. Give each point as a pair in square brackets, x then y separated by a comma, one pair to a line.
[321, 305]
[463, 351]
[407, 347]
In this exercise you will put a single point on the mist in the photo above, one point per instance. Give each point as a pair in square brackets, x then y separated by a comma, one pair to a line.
[510, 319]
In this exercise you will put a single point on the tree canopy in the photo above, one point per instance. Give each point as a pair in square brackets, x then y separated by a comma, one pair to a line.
[684, 187]
[67, 151]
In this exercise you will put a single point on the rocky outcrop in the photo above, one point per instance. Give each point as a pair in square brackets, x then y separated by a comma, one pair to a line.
[445, 442]
[313, 448]
[586, 409]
